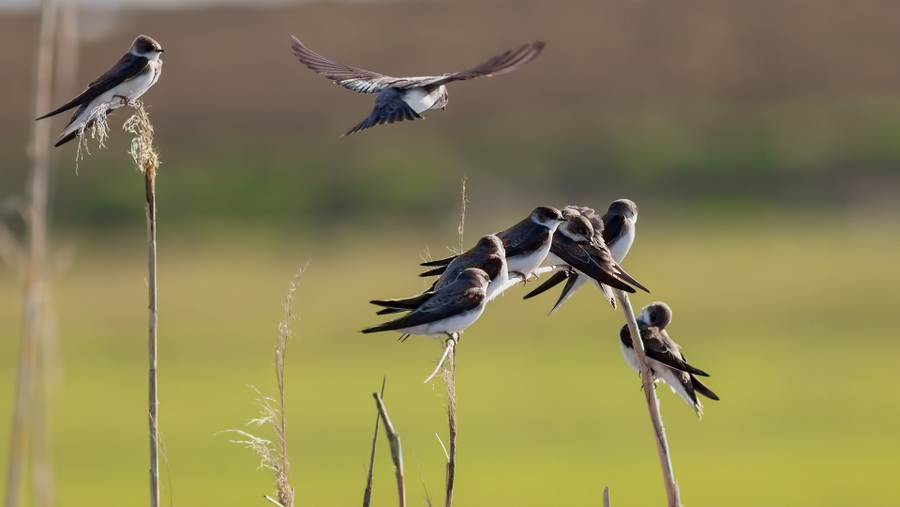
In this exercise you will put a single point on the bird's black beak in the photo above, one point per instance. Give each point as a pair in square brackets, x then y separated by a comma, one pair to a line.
[160, 50]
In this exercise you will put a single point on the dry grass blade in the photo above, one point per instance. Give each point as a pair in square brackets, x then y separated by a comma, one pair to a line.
[662, 447]
[367, 496]
[396, 451]
[606, 496]
[274, 456]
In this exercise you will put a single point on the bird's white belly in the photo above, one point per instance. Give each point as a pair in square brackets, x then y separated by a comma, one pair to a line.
[619, 249]
[630, 357]
[420, 100]
[528, 263]
[455, 324]
[497, 285]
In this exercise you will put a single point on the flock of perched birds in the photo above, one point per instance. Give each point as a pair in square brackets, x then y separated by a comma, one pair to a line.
[579, 244]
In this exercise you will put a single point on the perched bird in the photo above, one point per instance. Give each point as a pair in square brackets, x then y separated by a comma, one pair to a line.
[664, 356]
[487, 255]
[619, 227]
[615, 230]
[526, 244]
[452, 308]
[124, 83]
[405, 98]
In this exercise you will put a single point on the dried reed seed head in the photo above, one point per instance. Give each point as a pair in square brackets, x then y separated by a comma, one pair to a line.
[146, 159]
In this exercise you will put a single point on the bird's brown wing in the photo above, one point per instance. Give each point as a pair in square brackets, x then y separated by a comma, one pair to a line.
[358, 80]
[501, 64]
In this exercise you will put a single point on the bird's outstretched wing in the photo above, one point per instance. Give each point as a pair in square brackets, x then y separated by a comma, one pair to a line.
[126, 68]
[351, 78]
[501, 64]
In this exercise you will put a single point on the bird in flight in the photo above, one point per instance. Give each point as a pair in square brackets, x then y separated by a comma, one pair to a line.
[405, 98]
[122, 84]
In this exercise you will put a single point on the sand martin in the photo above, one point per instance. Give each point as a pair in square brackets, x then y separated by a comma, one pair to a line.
[664, 356]
[619, 227]
[615, 231]
[526, 244]
[405, 98]
[487, 255]
[125, 82]
[452, 308]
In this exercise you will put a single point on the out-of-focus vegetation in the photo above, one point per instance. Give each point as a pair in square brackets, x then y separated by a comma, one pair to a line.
[759, 139]
[786, 314]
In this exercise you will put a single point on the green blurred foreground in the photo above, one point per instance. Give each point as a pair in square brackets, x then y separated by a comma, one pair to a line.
[789, 314]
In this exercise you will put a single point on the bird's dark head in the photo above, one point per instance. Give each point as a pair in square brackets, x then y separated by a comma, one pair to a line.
[656, 314]
[576, 226]
[490, 244]
[547, 216]
[624, 207]
[475, 275]
[146, 47]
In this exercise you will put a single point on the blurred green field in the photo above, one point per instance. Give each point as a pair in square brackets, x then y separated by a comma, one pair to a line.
[785, 310]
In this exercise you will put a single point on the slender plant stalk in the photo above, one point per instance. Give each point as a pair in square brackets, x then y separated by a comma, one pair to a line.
[606, 496]
[450, 381]
[38, 184]
[662, 447]
[396, 451]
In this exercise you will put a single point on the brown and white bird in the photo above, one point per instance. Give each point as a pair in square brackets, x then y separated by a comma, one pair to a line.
[488, 255]
[453, 308]
[405, 98]
[664, 356]
[526, 243]
[122, 84]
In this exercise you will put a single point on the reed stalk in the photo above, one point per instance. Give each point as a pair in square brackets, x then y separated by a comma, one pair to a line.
[659, 432]
[146, 161]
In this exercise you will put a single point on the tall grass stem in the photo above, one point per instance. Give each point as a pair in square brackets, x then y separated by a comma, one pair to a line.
[38, 189]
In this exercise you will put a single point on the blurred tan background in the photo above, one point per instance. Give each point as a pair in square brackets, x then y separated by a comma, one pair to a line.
[758, 138]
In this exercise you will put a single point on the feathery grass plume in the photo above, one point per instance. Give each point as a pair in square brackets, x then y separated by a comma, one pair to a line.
[146, 160]
[274, 455]
[662, 446]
